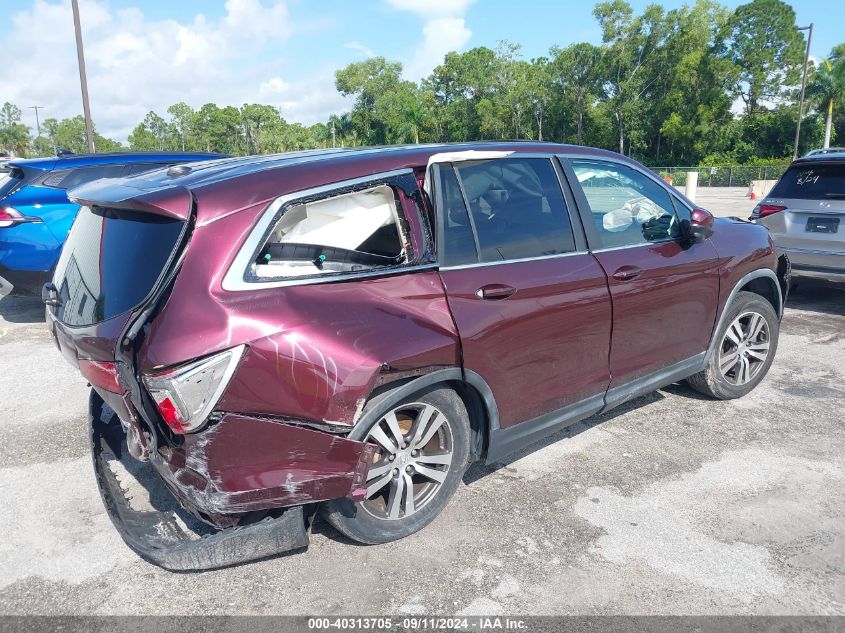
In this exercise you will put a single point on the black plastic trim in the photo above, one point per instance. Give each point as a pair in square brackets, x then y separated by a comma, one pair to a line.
[513, 438]
[159, 538]
[646, 384]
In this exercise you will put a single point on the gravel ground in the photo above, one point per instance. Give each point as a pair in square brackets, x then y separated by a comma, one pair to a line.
[673, 504]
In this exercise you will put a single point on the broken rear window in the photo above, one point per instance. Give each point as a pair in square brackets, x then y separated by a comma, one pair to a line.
[351, 232]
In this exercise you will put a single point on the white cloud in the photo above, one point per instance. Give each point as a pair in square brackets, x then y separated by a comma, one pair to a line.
[308, 101]
[444, 31]
[357, 46]
[440, 36]
[135, 64]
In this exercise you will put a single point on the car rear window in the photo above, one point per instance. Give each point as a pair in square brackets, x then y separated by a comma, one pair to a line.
[70, 178]
[110, 262]
[812, 182]
[10, 180]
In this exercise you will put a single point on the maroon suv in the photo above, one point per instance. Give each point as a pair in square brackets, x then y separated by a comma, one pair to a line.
[347, 330]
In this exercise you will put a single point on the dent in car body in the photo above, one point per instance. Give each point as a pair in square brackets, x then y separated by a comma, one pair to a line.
[245, 463]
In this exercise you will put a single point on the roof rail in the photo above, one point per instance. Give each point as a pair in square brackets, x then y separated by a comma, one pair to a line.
[824, 151]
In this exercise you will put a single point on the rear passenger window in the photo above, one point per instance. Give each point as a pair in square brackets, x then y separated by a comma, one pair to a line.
[351, 232]
[70, 178]
[140, 168]
[458, 245]
[516, 208]
[628, 208]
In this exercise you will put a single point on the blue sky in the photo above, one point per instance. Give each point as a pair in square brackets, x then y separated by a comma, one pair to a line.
[148, 54]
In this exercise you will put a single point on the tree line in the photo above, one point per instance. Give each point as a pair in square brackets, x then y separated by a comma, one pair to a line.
[701, 84]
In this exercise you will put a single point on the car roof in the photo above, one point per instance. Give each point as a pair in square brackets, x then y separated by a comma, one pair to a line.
[64, 161]
[266, 177]
[386, 158]
[822, 154]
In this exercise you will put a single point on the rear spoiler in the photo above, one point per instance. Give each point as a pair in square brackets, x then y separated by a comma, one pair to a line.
[172, 202]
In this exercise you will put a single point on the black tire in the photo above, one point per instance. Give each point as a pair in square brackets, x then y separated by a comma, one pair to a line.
[360, 524]
[712, 381]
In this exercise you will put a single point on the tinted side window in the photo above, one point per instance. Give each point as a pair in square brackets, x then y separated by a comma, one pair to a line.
[70, 178]
[517, 208]
[140, 168]
[812, 182]
[458, 245]
[628, 208]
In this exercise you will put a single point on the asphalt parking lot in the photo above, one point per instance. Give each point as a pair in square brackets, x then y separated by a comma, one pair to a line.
[674, 504]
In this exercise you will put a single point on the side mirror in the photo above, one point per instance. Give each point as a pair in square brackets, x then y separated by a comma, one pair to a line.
[701, 224]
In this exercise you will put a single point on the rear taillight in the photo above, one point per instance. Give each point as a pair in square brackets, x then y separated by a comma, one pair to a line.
[10, 217]
[186, 395]
[101, 374]
[763, 210]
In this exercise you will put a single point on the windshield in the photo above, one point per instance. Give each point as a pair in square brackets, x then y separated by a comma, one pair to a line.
[812, 182]
[111, 262]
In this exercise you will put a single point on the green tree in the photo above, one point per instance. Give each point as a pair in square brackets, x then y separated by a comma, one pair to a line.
[827, 88]
[141, 139]
[762, 41]
[261, 124]
[631, 45]
[575, 75]
[367, 81]
[181, 119]
[14, 135]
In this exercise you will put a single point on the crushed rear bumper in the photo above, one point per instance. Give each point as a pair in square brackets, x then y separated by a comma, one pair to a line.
[162, 535]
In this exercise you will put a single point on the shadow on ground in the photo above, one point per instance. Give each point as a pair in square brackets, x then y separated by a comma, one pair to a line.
[21, 310]
[817, 296]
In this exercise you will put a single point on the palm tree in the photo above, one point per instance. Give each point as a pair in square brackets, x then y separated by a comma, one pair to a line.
[828, 87]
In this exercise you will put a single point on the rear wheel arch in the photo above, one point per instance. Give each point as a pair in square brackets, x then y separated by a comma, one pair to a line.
[472, 389]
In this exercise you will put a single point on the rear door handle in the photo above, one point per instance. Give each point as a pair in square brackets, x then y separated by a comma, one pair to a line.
[495, 291]
[626, 273]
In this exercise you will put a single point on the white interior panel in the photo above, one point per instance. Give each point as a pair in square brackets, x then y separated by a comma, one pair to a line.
[344, 221]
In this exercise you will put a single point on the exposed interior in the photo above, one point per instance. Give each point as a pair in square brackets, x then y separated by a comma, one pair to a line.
[345, 233]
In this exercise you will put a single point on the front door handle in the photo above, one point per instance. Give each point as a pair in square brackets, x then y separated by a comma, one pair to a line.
[495, 291]
[626, 273]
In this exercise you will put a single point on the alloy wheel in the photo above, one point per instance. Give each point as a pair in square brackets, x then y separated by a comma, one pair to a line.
[412, 461]
[744, 348]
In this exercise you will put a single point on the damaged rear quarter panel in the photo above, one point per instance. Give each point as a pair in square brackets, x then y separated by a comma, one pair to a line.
[244, 463]
[337, 340]
[315, 351]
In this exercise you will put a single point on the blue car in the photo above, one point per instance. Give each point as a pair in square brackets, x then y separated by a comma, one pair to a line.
[36, 215]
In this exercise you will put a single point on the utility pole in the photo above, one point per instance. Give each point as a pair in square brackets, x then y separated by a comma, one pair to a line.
[37, 122]
[80, 56]
[333, 135]
[803, 85]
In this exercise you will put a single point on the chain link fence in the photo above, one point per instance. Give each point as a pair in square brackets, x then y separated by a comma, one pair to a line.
[724, 176]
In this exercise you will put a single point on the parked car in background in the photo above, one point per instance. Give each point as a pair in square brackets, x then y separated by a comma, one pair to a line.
[352, 328]
[805, 215]
[35, 213]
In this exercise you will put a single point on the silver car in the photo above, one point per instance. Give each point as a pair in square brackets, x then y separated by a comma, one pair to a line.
[805, 214]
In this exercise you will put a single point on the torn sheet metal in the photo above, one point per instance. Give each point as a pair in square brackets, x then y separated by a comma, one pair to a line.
[243, 463]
